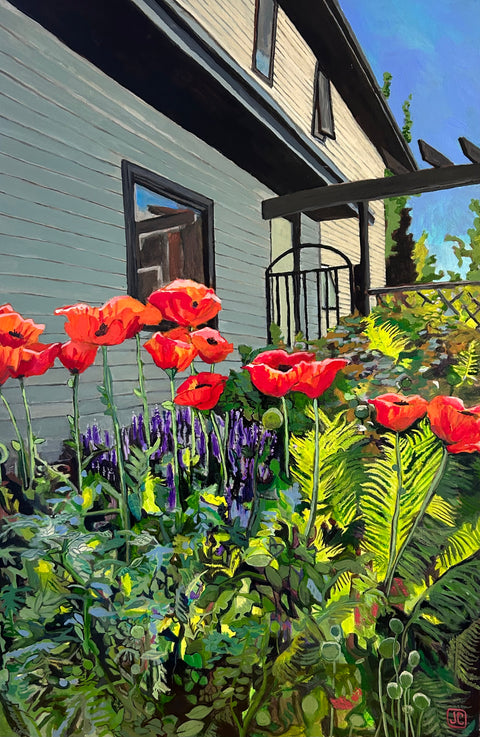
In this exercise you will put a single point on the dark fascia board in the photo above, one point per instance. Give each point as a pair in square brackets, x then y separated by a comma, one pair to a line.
[134, 42]
[326, 30]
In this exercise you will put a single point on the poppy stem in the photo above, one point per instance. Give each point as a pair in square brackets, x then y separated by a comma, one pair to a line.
[143, 392]
[216, 430]
[426, 501]
[286, 449]
[205, 435]
[22, 462]
[112, 410]
[316, 468]
[176, 478]
[254, 510]
[396, 513]
[76, 429]
[30, 437]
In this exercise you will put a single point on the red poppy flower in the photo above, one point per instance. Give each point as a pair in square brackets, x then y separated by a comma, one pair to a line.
[396, 412]
[77, 357]
[133, 314]
[34, 359]
[169, 353]
[315, 377]
[6, 361]
[201, 391]
[344, 703]
[186, 302]
[119, 318]
[456, 425]
[15, 330]
[211, 346]
[272, 372]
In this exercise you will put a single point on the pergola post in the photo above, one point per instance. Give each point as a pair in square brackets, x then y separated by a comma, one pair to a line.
[363, 271]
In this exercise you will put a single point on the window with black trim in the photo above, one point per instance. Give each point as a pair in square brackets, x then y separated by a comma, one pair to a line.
[169, 232]
[322, 123]
[264, 38]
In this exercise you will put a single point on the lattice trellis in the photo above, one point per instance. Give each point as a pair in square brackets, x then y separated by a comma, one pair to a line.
[452, 298]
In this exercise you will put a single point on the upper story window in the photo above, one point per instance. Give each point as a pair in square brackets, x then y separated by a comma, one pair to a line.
[322, 124]
[169, 232]
[264, 38]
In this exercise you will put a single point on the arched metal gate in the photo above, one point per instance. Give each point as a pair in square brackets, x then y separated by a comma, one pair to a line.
[308, 300]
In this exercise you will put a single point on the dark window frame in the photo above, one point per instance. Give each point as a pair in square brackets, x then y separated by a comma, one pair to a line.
[321, 128]
[133, 174]
[267, 78]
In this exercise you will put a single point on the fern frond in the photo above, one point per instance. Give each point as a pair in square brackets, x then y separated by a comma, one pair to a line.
[467, 367]
[341, 467]
[386, 338]
[462, 544]
[463, 656]
[421, 454]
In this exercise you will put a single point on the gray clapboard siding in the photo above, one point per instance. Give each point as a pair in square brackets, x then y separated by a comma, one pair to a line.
[66, 127]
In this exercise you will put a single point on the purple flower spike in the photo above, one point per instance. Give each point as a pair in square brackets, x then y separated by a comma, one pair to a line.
[96, 435]
[215, 446]
[170, 479]
[134, 427]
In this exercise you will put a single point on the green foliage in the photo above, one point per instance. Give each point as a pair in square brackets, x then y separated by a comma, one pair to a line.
[407, 120]
[425, 263]
[387, 83]
[470, 252]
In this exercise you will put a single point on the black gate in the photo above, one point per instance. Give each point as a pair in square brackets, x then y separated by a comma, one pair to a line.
[308, 300]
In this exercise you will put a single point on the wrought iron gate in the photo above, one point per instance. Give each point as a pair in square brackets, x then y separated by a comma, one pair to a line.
[308, 300]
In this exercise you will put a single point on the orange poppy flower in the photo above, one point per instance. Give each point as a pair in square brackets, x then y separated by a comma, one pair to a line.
[315, 377]
[119, 318]
[133, 314]
[169, 353]
[396, 412]
[7, 359]
[186, 302]
[456, 425]
[77, 357]
[15, 330]
[272, 372]
[34, 359]
[201, 391]
[211, 346]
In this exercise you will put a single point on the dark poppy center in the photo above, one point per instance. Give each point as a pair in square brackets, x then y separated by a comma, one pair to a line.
[401, 404]
[468, 413]
[194, 303]
[284, 368]
[15, 334]
[202, 386]
[212, 341]
[102, 330]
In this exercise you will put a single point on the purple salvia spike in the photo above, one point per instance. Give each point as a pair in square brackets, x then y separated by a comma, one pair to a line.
[215, 446]
[96, 437]
[170, 479]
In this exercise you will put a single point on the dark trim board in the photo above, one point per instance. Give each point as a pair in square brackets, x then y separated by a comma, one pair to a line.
[133, 174]
[337, 195]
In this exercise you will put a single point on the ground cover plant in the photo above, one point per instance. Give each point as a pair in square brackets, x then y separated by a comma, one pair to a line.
[289, 549]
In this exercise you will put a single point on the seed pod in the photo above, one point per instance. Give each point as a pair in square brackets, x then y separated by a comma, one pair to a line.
[406, 679]
[396, 626]
[421, 701]
[336, 632]
[413, 658]
[362, 411]
[388, 647]
[407, 710]
[272, 419]
[394, 690]
[330, 651]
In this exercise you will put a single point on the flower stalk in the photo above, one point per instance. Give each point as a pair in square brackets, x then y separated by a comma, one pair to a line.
[286, 437]
[30, 436]
[142, 391]
[112, 411]
[396, 513]
[76, 429]
[176, 477]
[316, 469]
[22, 456]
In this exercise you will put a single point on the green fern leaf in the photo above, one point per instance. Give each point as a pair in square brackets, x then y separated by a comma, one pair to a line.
[462, 544]
[383, 499]
[463, 656]
[467, 367]
[386, 338]
[341, 467]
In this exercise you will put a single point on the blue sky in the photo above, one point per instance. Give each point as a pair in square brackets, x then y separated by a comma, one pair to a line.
[432, 48]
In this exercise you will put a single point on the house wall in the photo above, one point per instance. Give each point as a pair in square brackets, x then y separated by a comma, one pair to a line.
[65, 129]
[231, 25]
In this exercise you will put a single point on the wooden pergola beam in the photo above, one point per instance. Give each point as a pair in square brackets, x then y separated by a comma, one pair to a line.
[417, 182]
